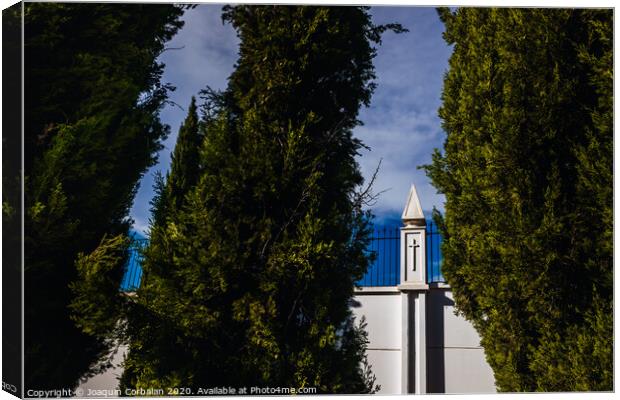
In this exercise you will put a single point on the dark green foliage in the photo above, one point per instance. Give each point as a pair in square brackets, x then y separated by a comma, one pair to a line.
[527, 174]
[184, 172]
[92, 98]
[97, 287]
[12, 124]
[248, 282]
[185, 159]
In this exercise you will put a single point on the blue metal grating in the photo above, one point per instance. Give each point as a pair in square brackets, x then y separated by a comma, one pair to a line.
[385, 270]
[133, 271]
[434, 258]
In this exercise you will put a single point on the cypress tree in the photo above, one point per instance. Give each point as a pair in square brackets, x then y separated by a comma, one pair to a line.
[249, 282]
[527, 174]
[185, 163]
[98, 308]
[184, 171]
[92, 100]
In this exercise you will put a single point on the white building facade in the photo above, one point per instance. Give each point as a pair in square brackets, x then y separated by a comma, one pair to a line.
[416, 342]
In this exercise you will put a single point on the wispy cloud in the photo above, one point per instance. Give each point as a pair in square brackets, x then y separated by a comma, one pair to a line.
[202, 53]
[401, 126]
[140, 225]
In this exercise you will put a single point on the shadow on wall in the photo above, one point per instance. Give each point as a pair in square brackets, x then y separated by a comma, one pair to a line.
[437, 305]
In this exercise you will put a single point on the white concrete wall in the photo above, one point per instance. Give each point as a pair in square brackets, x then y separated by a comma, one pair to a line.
[383, 317]
[105, 384]
[455, 360]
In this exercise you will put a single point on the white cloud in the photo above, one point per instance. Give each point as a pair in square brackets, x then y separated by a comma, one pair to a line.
[141, 225]
[401, 125]
[207, 51]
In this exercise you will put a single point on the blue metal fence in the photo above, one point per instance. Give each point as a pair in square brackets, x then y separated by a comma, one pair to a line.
[385, 270]
[434, 257]
[133, 270]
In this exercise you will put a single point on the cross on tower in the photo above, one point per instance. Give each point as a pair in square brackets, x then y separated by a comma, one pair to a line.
[415, 259]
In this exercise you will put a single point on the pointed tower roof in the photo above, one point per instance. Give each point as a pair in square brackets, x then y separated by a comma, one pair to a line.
[412, 214]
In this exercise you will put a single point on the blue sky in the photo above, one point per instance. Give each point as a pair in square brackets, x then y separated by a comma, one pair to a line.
[401, 126]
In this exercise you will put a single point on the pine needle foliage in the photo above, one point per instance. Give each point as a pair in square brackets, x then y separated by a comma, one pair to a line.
[248, 280]
[92, 100]
[527, 174]
[184, 171]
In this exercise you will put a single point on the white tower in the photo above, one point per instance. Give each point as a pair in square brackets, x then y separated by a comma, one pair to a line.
[413, 242]
[413, 287]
